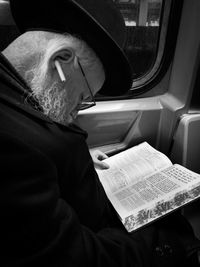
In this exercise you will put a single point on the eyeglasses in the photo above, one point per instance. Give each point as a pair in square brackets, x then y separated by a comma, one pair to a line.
[89, 101]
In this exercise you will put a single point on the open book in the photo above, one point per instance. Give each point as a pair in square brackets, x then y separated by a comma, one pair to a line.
[143, 185]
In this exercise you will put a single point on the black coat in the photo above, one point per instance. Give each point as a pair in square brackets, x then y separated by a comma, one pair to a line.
[54, 211]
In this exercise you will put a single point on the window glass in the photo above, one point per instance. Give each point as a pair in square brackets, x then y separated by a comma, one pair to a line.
[143, 24]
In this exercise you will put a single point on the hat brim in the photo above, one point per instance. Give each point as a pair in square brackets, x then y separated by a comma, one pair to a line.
[117, 68]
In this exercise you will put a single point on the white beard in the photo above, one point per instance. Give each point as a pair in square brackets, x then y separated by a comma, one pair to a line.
[52, 97]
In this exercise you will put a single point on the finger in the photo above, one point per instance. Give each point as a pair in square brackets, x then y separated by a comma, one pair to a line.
[101, 155]
[101, 165]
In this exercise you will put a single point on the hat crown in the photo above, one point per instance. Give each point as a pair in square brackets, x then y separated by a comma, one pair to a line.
[107, 15]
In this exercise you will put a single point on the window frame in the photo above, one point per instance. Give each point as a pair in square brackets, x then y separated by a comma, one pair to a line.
[170, 20]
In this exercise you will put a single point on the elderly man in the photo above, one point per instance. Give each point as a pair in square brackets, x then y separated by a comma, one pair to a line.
[54, 211]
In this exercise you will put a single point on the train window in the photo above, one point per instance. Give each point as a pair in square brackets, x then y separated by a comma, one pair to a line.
[142, 19]
[147, 24]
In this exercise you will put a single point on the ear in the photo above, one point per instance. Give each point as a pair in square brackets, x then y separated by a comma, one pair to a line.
[63, 56]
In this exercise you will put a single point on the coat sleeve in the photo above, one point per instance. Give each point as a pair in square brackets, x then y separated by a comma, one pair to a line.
[38, 228]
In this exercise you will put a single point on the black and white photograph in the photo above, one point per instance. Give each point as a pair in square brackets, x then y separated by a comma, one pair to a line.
[100, 133]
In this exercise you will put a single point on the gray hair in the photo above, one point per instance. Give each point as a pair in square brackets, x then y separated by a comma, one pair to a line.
[34, 47]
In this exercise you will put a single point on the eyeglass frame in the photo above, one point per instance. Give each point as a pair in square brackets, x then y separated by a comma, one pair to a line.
[84, 104]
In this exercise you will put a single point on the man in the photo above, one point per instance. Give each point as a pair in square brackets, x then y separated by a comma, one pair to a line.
[54, 211]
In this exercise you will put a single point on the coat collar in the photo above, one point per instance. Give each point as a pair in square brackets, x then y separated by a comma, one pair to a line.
[14, 90]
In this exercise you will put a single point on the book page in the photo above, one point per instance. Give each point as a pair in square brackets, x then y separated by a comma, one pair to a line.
[131, 165]
[143, 196]
[156, 187]
[180, 186]
[143, 185]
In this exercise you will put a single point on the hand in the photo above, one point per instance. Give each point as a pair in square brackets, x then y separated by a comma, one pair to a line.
[97, 157]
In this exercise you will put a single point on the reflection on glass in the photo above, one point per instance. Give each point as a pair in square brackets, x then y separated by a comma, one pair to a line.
[142, 18]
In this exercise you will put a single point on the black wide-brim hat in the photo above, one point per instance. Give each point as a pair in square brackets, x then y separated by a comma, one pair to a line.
[98, 22]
